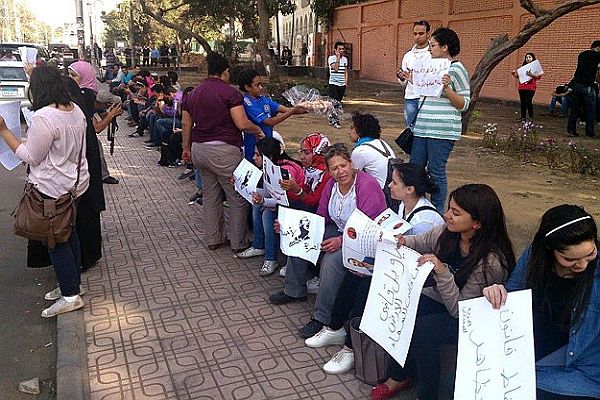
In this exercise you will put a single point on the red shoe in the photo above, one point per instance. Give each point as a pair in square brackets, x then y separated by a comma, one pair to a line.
[383, 392]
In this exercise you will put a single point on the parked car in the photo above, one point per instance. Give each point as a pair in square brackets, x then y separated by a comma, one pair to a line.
[63, 53]
[14, 48]
[13, 83]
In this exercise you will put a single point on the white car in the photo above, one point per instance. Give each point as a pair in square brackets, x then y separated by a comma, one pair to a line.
[13, 83]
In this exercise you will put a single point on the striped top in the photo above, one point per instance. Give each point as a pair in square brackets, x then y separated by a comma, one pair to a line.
[338, 77]
[438, 118]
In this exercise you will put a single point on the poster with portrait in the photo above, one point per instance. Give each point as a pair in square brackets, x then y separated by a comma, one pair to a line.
[246, 177]
[496, 358]
[393, 299]
[301, 233]
[427, 76]
[534, 67]
[361, 236]
[272, 176]
[12, 116]
[392, 222]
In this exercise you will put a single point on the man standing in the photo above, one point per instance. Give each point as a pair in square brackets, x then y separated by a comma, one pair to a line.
[420, 51]
[338, 78]
[213, 116]
[146, 56]
[584, 94]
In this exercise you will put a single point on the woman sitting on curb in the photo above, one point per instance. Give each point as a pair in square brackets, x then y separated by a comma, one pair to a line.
[561, 269]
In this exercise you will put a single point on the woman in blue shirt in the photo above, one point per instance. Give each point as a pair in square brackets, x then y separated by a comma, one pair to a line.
[561, 268]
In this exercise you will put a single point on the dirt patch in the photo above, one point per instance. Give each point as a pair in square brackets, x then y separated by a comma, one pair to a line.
[526, 190]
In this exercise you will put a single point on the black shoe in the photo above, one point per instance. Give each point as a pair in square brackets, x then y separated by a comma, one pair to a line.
[310, 329]
[186, 174]
[571, 134]
[151, 145]
[282, 298]
[111, 180]
[148, 141]
[198, 195]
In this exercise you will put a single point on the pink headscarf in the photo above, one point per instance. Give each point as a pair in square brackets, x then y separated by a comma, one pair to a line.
[87, 75]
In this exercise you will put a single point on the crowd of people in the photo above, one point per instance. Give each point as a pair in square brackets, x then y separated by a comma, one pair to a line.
[212, 127]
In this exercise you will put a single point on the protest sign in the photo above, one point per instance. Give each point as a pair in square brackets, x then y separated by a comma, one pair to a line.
[27, 114]
[427, 76]
[271, 182]
[359, 245]
[12, 117]
[391, 309]
[301, 233]
[496, 359]
[246, 177]
[392, 222]
[534, 67]
[28, 54]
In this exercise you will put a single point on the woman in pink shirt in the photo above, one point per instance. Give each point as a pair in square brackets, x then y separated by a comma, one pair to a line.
[527, 89]
[55, 139]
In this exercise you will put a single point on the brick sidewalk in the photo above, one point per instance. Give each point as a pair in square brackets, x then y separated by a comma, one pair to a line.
[166, 318]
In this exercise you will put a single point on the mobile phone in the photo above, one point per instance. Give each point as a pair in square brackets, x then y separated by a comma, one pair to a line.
[285, 174]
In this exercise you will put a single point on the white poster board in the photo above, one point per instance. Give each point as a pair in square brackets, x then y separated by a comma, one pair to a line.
[27, 114]
[535, 67]
[271, 182]
[496, 359]
[12, 116]
[246, 177]
[391, 309]
[301, 233]
[359, 245]
[392, 222]
[28, 54]
[427, 76]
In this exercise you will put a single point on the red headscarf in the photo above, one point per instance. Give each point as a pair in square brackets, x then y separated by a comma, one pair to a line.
[317, 143]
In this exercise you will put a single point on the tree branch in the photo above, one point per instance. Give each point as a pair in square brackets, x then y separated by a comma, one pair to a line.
[174, 26]
[533, 8]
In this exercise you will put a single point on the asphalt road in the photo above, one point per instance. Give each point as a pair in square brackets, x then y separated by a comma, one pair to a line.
[27, 341]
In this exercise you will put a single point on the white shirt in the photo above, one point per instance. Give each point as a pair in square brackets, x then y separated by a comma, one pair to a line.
[338, 77]
[366, 158]
[422, 221]
[341, 206]
[408, 63]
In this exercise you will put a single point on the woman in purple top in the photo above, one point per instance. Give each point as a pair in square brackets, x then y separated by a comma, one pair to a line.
[212, 118]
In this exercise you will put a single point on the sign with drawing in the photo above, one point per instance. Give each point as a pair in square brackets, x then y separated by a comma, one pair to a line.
[301, 233]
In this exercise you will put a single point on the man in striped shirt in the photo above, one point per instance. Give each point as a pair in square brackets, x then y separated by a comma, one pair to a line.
[338, 77]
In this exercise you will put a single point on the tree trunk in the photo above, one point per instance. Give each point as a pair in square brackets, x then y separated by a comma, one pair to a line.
[175, 26]
[501, 46]
[264, 34]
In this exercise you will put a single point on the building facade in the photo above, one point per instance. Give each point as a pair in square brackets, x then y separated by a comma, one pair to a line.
[380, 32]
[301, 27]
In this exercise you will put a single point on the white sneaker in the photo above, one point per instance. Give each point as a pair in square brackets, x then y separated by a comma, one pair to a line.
[312, 286]
[282, 271]
[326, 337]
[56, 294]
[62, 306]
[268, 268]
[250, 252]
[342, 361]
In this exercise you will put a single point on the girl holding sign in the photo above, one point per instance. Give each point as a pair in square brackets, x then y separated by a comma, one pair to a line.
[527, 89]
[471, 251]
[264, 211]
[561, 268]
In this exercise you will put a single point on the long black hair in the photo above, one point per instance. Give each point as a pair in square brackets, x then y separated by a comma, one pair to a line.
[542, 261]
[484, 206]
[525, 58]
[416, 176]
[47, 87]
[271, 148]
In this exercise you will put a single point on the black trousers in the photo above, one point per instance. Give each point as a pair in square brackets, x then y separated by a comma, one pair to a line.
[526, 97]
[541, 395]
[434, 327]
[350, 302]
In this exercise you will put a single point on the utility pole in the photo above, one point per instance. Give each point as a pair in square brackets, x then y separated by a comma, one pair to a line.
[80, 31]
[130, 36]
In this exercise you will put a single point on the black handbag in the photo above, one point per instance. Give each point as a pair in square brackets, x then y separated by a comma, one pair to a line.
[405, 138]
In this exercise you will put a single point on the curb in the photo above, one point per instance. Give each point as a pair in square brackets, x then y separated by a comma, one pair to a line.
[72, 379]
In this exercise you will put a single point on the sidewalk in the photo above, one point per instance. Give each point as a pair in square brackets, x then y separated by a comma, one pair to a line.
[167, 319]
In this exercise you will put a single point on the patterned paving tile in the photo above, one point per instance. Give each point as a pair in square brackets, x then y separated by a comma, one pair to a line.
[167, 319]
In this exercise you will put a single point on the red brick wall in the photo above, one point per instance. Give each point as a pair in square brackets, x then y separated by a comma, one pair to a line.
[381, 32]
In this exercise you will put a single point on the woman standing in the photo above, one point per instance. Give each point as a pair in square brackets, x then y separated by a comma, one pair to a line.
[527, 89]
[561, 267]
[439, 122]
[56, 138]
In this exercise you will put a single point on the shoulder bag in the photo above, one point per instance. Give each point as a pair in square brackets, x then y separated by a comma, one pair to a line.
[405, 139]
[45, 219]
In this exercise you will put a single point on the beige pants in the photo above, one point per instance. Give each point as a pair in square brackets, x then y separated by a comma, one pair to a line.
[216, 163]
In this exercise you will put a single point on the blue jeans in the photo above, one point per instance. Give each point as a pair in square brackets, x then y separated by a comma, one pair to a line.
[66, 260]
[265, 237]
[564, 104]
[582, 96]
[197, 178]
[164, 128]
[410, 111]
[154, 135]
[434, 154]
